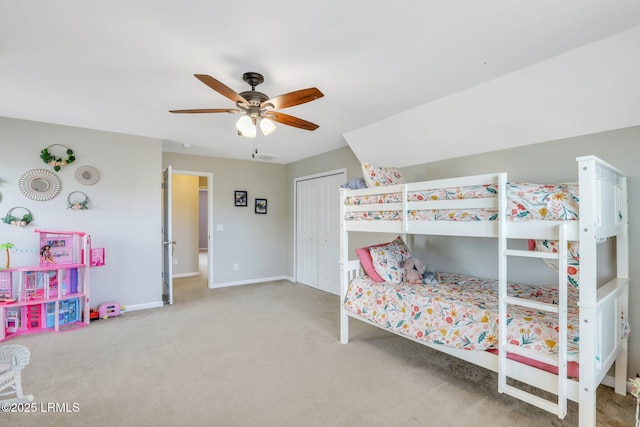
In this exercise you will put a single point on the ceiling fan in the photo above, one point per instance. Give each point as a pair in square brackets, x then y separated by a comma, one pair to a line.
[258, 108]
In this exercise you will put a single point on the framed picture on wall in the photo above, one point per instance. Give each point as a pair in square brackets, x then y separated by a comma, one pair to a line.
[240, 198]
[261, 206]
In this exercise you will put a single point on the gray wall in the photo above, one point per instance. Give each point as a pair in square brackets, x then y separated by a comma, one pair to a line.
[124, 205]
[247, 238]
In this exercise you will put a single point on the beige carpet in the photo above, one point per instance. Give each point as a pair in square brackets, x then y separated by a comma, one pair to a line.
[263, 355]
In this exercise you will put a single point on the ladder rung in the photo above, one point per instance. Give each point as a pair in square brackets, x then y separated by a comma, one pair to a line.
[516, 349]
[530, 254]
[523, 302]
[533, 399]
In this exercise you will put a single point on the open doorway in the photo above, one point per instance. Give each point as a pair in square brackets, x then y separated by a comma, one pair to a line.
[191, 227]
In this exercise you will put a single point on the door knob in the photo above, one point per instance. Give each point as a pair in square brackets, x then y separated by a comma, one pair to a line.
[170, 243]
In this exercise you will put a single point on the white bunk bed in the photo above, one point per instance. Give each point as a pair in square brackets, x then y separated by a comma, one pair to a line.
[602, 215]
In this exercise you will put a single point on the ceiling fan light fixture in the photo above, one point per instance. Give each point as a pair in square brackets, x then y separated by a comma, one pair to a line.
[246, 127]
[256, 106]
[267, 126]
[250, 134]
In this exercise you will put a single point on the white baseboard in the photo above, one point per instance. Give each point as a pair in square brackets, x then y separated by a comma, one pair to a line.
[610, 381]
[249, 282]
[159, 304]
[177, 276]
[144, 306]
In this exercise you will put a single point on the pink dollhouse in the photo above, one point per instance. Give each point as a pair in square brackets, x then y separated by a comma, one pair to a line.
[53, 293]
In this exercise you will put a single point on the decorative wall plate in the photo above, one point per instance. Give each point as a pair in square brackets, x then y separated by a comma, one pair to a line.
[39, 184]
[87, 175]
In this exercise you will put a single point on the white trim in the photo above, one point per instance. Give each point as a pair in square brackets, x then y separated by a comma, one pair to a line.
[322, 174]
[342, 171]
[145, 306]
[251, 281]
[610, 381]
[177, 276]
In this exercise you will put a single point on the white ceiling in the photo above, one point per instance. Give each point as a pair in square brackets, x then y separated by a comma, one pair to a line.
[590, 89]
[121, 65]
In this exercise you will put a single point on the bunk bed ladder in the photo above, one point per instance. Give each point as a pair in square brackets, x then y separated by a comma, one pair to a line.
[505, 365]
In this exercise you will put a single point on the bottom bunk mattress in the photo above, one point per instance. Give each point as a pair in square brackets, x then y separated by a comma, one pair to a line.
[462, 311]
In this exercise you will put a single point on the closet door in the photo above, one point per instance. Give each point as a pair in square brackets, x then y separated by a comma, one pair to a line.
[318, 232]
[307, 233]
[329, 234]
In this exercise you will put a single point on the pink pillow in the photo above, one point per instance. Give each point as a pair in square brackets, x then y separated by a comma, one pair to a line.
[367, 263]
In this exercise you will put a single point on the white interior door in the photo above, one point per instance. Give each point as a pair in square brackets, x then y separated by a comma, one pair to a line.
[329, 233]
[318, 231]
[167, 238]
[306, 233]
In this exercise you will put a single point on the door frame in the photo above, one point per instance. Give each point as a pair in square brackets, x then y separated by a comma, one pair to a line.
[167, 238]
[209, 177]
[295, 210]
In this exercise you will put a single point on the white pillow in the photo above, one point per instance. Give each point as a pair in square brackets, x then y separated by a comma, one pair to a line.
[376, 176]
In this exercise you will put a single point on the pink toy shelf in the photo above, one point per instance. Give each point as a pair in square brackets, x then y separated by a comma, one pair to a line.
[97, 257]
[53, 293]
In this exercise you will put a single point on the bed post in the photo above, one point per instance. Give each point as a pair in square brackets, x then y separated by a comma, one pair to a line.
[588, 291]
[502, 281]
[344, 275]
[622, 256]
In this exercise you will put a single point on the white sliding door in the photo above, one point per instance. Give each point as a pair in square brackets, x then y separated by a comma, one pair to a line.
[318, 231]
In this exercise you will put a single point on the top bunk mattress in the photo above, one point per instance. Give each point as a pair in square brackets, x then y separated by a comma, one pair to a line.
[525, 201]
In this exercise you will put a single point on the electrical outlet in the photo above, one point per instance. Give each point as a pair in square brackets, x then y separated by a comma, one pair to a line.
[235, 267]
[175, 261]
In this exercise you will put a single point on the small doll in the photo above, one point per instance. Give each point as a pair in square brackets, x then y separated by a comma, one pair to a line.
[45, 255]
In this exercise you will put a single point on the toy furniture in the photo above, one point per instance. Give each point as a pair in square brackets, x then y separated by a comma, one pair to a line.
[67, 312]
[13, 320]
[6, 282]
[52, 294]
[108, 309]
[13, 359]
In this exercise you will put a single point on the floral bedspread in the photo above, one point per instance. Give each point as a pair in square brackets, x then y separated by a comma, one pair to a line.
[470, 192]
[524, 202]
[462, 311]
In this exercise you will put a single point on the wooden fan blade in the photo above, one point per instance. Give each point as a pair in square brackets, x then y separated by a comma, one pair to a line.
[293, 98]
[206, 110]
[221, 88]
[288, 120]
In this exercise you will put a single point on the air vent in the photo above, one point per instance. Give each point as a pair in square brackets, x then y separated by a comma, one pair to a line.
[264, 156]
